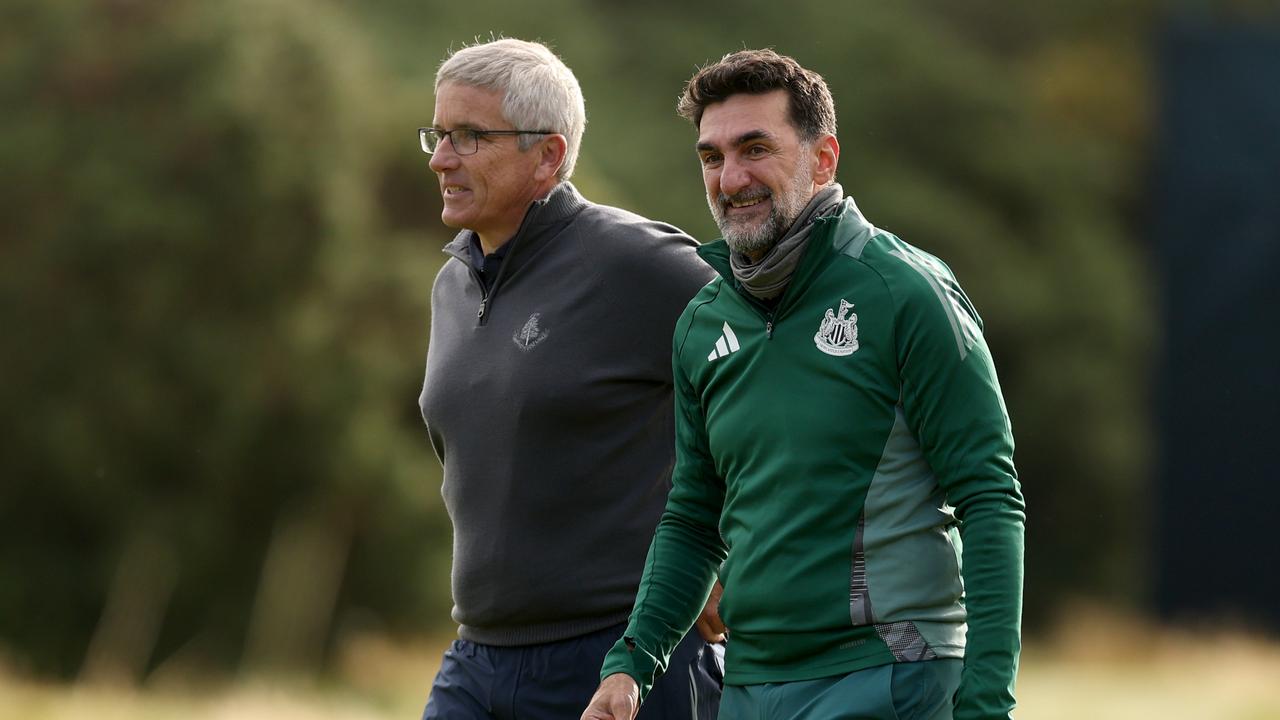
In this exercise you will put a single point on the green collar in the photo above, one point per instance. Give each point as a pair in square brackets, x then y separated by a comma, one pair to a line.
[844, 228]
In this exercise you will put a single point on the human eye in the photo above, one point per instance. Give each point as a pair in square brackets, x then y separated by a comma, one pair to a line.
[710, 159]
[756, 151]
[466, 135]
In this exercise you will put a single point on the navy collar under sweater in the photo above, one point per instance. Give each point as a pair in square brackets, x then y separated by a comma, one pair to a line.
[487, 266]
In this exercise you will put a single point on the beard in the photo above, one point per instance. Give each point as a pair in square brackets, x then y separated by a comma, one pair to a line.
[747, 238]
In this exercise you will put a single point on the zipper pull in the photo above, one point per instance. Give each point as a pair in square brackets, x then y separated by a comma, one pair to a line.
[768, 329]
[480, 312]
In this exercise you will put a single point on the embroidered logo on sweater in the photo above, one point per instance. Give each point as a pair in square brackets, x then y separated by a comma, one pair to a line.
[838, 333]
[725, 344]
[528, 337]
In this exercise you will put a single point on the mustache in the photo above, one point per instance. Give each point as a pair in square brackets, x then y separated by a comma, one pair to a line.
[743, 196]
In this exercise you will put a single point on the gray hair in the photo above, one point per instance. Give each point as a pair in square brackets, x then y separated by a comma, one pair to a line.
[539, 91]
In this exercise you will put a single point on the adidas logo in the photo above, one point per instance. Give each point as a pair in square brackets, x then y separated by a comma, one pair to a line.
[728, 343]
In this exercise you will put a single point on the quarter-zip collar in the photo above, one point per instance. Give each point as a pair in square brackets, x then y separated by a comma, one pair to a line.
[563, 202]
[838, 232]
[542, 223]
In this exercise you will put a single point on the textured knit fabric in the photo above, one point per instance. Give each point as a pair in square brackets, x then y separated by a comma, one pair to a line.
[548, 400]
[832, 453]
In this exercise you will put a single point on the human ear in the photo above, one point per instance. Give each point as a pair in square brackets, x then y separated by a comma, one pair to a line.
[826, 155]
[551, 152]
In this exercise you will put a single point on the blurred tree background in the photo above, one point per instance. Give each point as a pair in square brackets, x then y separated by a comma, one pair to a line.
[220, 235]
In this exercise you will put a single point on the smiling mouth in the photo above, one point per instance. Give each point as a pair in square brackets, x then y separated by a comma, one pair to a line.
[448, 190]
[744, 200]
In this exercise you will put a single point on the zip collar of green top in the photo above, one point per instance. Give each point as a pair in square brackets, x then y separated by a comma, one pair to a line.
[845, 231]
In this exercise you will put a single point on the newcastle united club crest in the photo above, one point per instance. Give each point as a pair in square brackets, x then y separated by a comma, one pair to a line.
[838, 333]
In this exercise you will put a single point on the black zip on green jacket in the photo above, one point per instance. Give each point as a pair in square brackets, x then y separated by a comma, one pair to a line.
[832, 455]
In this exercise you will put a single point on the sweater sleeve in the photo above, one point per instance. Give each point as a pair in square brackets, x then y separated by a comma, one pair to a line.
[650, 270]
[953, 403]
[683, 557]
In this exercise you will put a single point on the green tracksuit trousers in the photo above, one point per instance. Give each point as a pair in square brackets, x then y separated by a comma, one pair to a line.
[899, 691]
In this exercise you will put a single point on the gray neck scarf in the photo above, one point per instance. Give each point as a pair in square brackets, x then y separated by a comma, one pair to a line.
[768, 278]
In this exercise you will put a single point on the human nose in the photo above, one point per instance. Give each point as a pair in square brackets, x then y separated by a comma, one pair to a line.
[444, 158]
[733, 177]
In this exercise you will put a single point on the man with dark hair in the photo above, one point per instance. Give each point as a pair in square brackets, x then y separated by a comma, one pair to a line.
[839, 431]
[548, 397]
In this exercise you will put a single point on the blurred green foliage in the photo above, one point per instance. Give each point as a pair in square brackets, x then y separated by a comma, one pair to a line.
[216, 321]
[219, 239]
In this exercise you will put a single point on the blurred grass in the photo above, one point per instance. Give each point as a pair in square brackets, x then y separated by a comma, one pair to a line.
[1096, 665]
[1102, 666]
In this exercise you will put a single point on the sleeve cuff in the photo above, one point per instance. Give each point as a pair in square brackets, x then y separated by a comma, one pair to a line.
[629, 658]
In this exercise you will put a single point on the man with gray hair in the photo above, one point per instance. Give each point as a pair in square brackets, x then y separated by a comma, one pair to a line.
[548, 397]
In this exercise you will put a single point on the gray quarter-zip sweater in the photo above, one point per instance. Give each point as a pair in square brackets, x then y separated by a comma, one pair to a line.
[548, 400]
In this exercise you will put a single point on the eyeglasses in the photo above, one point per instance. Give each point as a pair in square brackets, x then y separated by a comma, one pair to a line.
[465, 140]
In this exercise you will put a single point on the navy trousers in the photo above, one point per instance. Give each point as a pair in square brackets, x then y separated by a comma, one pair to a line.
[555, 681]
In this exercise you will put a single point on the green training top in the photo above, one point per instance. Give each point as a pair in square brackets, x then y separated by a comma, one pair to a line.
[831, 455]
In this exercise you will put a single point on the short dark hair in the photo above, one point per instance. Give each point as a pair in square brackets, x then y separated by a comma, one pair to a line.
[757, 72]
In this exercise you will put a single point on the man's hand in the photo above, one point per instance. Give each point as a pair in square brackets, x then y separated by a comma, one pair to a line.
[617, 698]
[709, 624]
